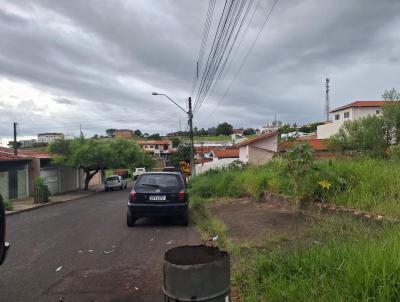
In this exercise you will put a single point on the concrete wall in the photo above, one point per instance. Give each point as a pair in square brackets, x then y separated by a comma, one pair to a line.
[244, 154]
[259, 156]
[215, 164]
[33, 173]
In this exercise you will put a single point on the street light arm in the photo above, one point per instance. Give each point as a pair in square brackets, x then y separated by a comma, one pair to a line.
[155, 93]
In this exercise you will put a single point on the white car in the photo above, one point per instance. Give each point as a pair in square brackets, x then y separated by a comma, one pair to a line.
[115, 182]
[138, 171]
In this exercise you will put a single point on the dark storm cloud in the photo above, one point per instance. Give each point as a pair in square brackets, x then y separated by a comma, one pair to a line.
[107, 57]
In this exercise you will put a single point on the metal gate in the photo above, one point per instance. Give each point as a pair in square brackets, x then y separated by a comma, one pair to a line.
[50, 176]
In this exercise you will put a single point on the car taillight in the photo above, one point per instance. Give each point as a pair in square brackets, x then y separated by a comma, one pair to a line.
[132, 197]
[182, 195]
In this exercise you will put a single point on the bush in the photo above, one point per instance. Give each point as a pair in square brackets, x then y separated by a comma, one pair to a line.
[8, 205]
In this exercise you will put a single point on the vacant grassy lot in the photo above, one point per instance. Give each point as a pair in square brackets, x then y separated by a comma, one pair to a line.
[340, 259]
[369, 184]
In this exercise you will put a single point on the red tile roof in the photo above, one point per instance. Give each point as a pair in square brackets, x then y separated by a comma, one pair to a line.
[226, 153]
[205, 149]
[258, 138]
[361, 104]
[23, 154]
[315, 144]
[161, 142]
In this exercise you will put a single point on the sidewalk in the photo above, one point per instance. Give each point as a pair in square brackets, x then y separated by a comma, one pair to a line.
[27, 204]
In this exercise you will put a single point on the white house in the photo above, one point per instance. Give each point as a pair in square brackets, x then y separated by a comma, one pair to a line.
[156, 148]
[259, 150]
[49, 137]
[220, 158]
[349, 112]
[270, 127]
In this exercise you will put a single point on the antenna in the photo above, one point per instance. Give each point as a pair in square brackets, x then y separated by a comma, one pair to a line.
[327, 109]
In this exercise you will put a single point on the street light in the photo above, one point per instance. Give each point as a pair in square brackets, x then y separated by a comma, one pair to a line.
[190, 118]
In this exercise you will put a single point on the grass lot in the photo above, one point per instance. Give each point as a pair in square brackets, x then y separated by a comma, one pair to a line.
[369, 184]
[341, 259]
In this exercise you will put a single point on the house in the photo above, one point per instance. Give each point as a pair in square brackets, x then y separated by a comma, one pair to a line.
[124, 133]
[217, 159]
[259, 150]
[237, 138]
[269, 127]
[50, 137]
[349, 112]
[319, 146]
[19, 172]
[156, 148]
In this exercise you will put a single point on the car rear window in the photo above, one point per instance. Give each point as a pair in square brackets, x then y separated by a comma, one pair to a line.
[112, 178]
[163, 181]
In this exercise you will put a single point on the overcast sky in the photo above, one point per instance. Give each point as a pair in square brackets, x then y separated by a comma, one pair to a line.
[95, 63]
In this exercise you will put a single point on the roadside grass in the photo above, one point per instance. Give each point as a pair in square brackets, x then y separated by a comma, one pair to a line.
[366, 184]
[358, 264]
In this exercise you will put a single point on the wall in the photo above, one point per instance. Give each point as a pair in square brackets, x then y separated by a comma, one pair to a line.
[327, 130]
[244, 154]
[216, 164]
[259, 156]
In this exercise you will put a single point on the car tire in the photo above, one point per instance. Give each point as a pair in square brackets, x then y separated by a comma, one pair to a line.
[106, 189]
[185, 219]
[130, 221]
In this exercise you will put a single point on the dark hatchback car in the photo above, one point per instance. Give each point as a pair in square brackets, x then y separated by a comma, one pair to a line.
[158, 194]
[3, 244]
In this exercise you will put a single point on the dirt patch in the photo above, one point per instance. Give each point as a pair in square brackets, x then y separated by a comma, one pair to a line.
[191, 255]
[255, 222]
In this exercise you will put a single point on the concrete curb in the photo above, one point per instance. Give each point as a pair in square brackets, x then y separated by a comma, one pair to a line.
[49, 204]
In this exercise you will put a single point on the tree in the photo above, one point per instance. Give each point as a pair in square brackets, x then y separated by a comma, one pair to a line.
[249, 131]
[285, 129]
[11, 144]
[111, 132]
[224, 129]
[391, 116]
[175, 142]
[182, 153]
[94, 155]
[391, 95]
[138, 132]
[155, 136]
[365, 136]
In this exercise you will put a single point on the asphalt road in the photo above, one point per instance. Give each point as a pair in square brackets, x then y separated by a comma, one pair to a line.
[101, 259]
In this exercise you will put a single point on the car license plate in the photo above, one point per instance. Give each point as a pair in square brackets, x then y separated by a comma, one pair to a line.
[158, 197]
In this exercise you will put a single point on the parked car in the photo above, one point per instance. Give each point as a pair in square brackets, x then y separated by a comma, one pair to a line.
[4, 245]
[172, 169]
[158, 194]
[138, 172]
[115, 182]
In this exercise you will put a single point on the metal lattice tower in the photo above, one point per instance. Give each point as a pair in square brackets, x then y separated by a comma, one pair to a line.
[327, 109]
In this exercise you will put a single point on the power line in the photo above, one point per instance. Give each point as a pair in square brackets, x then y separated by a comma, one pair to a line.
[206, 30]
[246, 56]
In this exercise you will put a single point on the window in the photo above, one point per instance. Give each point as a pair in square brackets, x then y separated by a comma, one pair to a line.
[156, 147]
[346, 114]
[377, 111]
[337, 117]
[151, 147]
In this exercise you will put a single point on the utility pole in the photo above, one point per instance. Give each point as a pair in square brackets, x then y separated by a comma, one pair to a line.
[202, 154]
[15, 139]
[190, 114]
[327, 100]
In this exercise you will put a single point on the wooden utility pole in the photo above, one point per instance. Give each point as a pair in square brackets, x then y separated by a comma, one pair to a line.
[190, 114]
[15, 139]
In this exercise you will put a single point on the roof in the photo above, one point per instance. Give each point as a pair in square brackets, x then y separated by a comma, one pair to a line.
[315, 144]
[161, 142]
[258, 138]
[361, 104]
[226, 153]
[205, 149]
[50, 133]
[11, 157]
[25, 153]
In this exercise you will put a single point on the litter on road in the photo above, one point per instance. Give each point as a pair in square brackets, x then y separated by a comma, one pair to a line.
[108, 252]
[59, 269]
